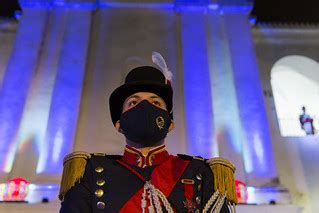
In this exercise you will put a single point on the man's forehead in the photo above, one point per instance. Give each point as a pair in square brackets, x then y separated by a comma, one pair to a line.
[143, 95]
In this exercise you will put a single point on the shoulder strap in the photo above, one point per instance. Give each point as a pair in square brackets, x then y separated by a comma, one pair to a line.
[185, 157]
[73, 169]
[189, 157]
[224, 180]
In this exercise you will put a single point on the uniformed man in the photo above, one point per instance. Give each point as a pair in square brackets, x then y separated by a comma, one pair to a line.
[306, 122]
[146, 178]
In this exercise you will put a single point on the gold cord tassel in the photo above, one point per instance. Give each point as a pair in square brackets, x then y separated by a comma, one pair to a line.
[224, 180]
[73, 169]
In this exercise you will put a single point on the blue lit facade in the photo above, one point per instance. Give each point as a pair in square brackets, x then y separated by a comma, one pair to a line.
[199, 46]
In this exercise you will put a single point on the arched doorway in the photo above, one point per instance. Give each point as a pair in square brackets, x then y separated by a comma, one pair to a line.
[295, 83]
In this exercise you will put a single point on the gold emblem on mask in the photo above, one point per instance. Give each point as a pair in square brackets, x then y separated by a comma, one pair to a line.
[160, 122]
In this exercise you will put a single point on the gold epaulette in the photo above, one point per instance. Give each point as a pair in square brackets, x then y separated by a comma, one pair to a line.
[73, 169]
[224, 180]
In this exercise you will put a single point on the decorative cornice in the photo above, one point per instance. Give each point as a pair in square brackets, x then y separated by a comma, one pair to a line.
[177, 5]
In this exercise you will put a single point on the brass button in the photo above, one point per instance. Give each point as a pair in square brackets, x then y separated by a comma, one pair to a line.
[199, 176]
[99, 193]
[99, 169]
[198, 200]
[152, 158]
[199, 187]
[197, 211]
[100, 182]
[100, 205]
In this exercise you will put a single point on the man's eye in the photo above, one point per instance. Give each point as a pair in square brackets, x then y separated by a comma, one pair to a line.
[156, 103]
[132, 103]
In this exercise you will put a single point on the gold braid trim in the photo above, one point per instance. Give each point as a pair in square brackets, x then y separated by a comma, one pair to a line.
[224, 180]
[73, 169]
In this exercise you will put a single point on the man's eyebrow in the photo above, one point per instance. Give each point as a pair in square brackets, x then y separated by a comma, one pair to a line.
[154, 96]
[133, 96]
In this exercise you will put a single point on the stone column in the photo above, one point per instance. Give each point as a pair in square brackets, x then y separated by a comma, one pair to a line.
[227, 125]
[67, 91]
[16, 81]
[198, 101]
[257, 148]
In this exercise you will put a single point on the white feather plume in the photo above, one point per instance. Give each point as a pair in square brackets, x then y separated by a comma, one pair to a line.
[158, 59]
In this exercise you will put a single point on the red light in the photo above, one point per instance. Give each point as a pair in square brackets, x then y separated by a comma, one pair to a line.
[241, 191]
[16, 189]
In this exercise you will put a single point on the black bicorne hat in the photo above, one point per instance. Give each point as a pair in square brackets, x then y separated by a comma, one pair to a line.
[141, 79]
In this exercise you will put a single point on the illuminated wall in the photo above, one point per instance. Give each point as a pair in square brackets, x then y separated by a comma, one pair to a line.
[41, 91]
[76, 57]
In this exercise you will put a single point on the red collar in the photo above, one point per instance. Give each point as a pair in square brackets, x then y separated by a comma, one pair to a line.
[135, 157]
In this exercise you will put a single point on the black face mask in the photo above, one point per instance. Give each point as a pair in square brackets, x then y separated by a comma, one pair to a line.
[145, 124]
